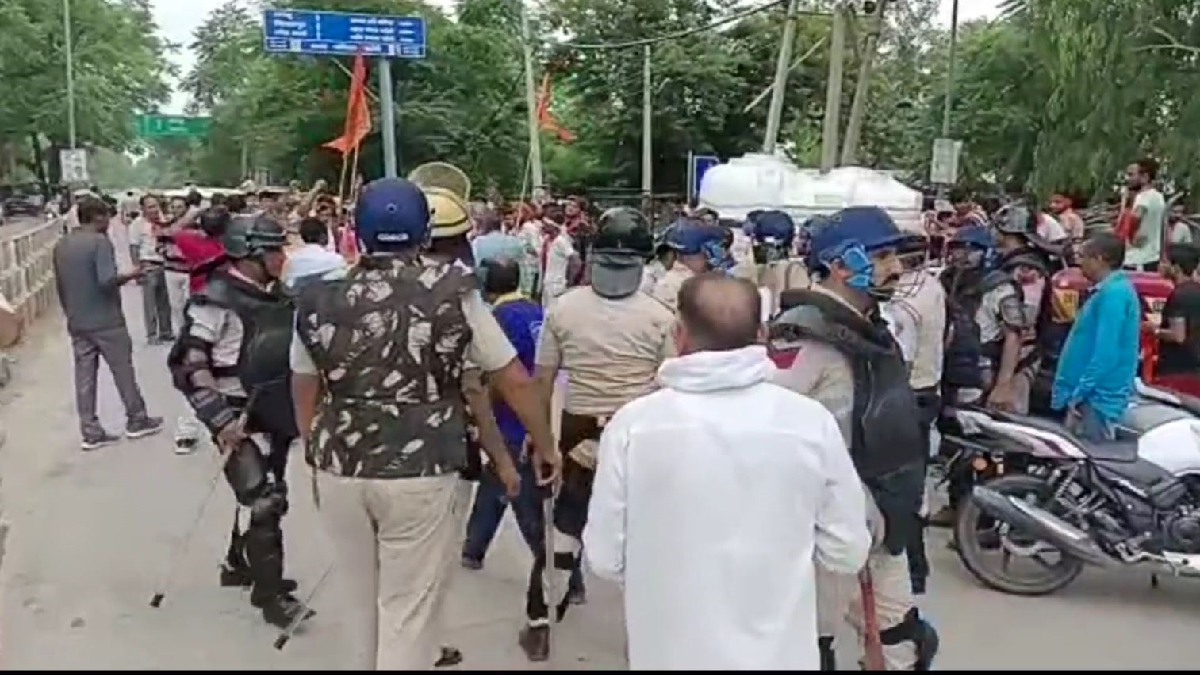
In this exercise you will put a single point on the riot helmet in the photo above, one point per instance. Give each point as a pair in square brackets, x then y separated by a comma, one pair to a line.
[694, 240]
[258, 239]
[618, 251]
[972, 247]
[772, 233]
[852, 239]
[391, 214]
[623, 231]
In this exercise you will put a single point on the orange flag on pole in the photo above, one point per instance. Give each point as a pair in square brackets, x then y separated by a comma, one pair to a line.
[358, 113]
[545, 118]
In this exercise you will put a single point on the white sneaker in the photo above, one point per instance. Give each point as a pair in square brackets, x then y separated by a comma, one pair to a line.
[186, 446]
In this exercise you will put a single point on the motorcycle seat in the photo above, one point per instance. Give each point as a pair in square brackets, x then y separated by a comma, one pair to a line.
[1118, 451]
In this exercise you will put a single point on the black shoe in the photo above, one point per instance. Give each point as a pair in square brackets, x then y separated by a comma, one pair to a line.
[97, 442]
[535, 642]
[168, 338]
[473, 564]
[282, 610]
[146, 426]
[239, 577]
[450, 657]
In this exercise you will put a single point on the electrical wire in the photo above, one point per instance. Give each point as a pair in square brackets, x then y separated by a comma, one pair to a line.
[737, 16]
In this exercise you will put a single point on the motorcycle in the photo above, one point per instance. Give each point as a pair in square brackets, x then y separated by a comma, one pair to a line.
[1131, 501]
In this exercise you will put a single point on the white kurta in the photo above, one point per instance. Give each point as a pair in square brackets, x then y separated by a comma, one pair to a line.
[713, 497]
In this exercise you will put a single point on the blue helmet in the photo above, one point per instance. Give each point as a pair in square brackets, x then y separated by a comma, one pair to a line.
[772, 228]
[971, 239]
[693, 238]
[851, 236]
[391, 211]
[976, 236]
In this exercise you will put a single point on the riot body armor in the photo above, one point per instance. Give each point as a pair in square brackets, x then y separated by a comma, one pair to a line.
[887, 444]
[267, 318]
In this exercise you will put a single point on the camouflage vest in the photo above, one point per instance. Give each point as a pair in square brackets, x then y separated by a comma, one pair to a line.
[389, 340]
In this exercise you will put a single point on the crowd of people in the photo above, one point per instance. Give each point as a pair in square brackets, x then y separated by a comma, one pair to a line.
[759, 398]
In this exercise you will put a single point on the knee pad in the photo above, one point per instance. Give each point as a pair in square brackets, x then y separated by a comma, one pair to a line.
[828, 655]
[916, 630]
[246, 472]
[268, 509]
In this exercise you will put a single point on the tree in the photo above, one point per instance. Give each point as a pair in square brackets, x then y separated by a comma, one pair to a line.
[120, 69]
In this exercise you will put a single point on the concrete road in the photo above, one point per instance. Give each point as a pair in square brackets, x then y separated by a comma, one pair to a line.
[90, 535]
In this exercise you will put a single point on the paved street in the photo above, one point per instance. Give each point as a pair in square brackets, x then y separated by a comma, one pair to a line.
[91, 533]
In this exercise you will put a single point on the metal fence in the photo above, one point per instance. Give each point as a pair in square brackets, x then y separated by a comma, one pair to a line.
[27, 269]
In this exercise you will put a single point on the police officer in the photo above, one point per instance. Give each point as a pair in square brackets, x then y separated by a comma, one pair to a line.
[698, 248]
[853, 366]
[610, 340]
[378, 360]
[230, 362]
[1009, 313]
[663, 259]
[773, 234]
[986, 316]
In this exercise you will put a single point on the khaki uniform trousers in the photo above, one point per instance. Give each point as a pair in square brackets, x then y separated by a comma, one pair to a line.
[395, 545]
[839, 599]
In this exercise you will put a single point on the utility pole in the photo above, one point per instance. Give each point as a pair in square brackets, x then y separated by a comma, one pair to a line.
[535, 140]
[779, 88]
[647, 130]
[71, 140]
[833, 90]
[862, 88]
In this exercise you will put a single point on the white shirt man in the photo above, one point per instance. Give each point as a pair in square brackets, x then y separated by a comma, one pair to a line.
[1147, 244]
[143, 241]
[747, 482]
[559, 252]
[918, 320]
[310, 260]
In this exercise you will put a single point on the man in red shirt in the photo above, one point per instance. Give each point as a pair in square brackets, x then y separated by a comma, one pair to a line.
[201, 249]
[198, 251]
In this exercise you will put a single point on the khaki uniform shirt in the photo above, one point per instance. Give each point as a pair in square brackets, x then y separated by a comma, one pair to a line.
[609, 349]
[666, 290]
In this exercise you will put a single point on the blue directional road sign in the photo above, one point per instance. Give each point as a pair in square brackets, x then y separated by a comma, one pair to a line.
[339, 34]
[700, 165]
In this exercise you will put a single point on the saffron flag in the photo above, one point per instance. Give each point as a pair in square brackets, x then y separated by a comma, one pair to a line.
[358, 113]
[545, 118]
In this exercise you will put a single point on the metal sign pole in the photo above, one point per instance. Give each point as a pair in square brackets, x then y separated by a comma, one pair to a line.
[68, 47]
[387, 112]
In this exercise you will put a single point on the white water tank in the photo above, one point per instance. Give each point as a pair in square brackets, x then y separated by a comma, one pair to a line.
[757, 181]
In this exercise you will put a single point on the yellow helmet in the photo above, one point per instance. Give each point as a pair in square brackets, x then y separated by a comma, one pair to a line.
[448, 189]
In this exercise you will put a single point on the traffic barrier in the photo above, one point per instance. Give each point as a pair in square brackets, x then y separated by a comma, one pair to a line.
[27, 269]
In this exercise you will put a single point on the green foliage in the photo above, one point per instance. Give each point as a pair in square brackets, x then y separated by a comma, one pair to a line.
[1051, 95]
[120, 69]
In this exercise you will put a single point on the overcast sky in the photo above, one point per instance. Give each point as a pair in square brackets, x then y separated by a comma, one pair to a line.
[177, 24]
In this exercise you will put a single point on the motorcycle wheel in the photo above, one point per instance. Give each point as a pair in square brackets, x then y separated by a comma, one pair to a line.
[971, 550]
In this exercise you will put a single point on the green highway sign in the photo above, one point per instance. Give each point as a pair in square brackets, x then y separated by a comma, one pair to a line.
[160, 126]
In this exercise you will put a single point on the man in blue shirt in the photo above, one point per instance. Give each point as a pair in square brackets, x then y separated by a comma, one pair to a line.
[1098, 365]
[521, 320]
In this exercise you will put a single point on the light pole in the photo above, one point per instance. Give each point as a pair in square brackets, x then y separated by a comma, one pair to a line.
[70, 74]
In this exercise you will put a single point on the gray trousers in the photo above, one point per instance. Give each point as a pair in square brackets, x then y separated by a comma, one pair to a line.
[115, 345]
[156, 305]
